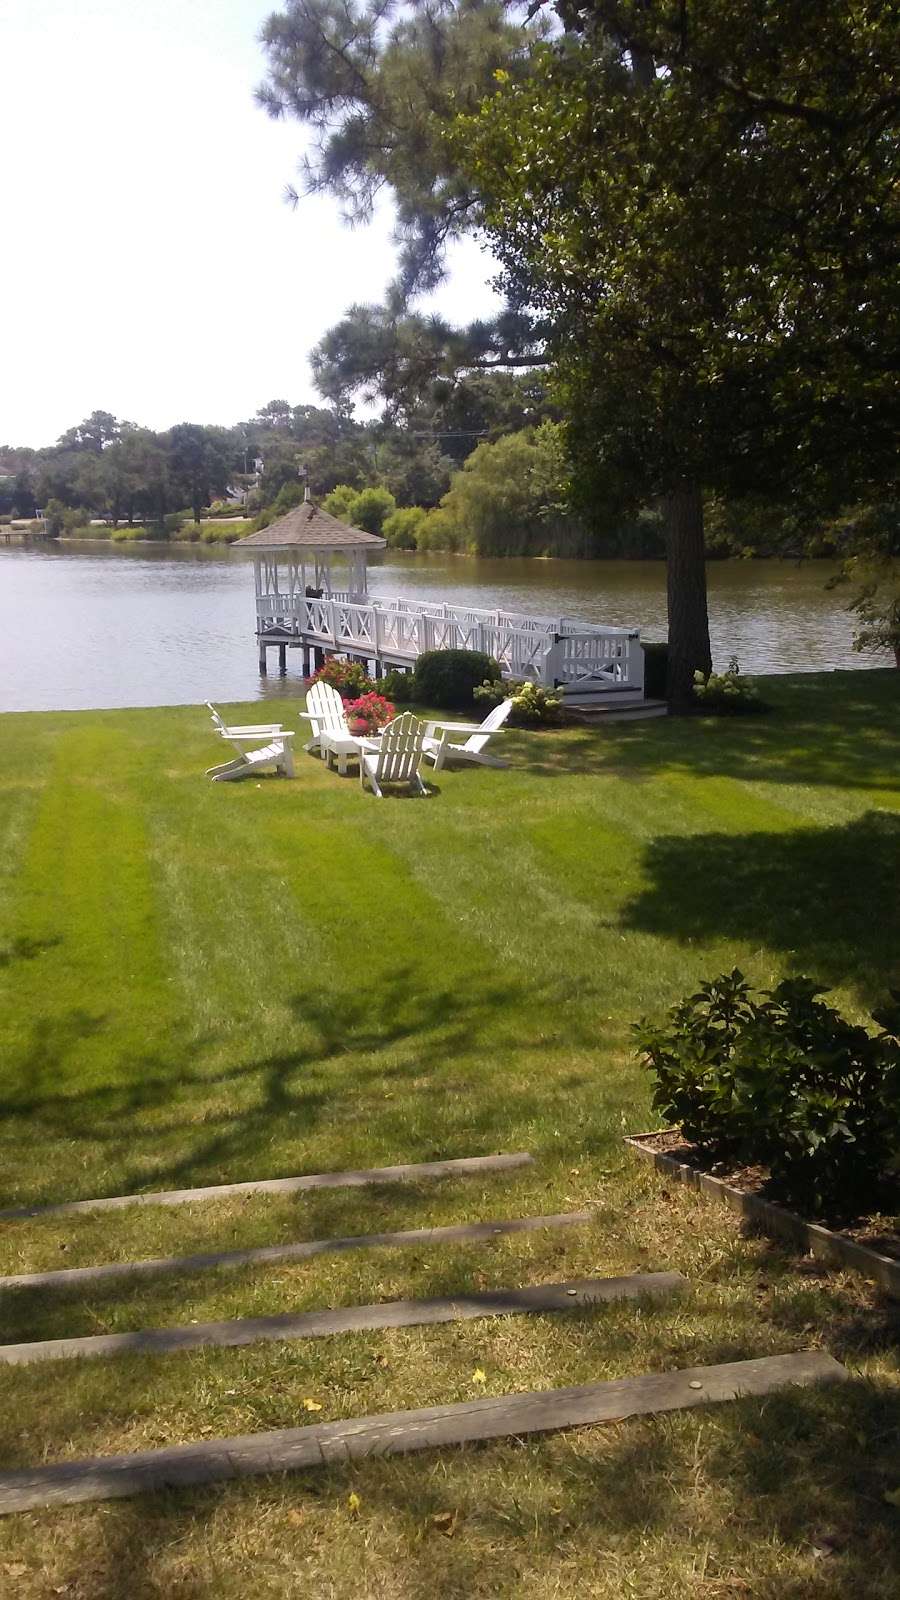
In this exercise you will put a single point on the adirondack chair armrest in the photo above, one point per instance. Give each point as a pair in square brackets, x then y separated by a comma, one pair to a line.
[253, 735]
[448, 729]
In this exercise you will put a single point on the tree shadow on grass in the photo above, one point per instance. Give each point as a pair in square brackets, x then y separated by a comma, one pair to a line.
[295, 1090]
[841, 729]
[825, 898]
[785, 1494]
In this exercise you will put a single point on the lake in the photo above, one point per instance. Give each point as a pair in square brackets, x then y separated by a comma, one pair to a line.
[111, 625]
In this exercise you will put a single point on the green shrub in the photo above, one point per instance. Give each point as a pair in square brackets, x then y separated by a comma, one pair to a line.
[656, 668]
[400, 687]
[448, 678]
[401, 528]
[786, 1082]
[533, 706]
[371, 507]
[727, 692]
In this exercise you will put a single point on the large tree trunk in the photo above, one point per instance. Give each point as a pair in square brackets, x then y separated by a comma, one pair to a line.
[689, 650]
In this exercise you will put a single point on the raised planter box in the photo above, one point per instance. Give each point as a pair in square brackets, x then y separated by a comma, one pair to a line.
[835, 1248]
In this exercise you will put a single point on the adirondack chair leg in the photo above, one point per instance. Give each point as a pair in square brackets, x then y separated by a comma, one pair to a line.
[234, 765]
[287, 760]
[421, 787]
[234, 770]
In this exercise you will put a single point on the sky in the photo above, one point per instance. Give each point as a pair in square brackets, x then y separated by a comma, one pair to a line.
[149, 263]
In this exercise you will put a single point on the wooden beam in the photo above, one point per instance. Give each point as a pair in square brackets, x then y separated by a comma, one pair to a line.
[462, 1167]
[455, 1233]
[399, 1432]
[580, 1293]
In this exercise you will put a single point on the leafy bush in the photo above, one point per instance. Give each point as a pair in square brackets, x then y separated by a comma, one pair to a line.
[448, 678]
[785, 1081]
[397, 686]
[369, 714]
[371, 507]
[656, 668]
[401, 528]
[532, 705]
[349, 677]
[727, 691]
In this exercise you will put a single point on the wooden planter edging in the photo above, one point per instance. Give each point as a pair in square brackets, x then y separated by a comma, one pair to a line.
[777, 1221]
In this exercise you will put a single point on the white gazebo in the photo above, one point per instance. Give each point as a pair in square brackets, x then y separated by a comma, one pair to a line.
[294, 563]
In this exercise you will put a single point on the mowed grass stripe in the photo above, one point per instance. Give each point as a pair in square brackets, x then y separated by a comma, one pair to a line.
[453, 1233]
[399, 1432]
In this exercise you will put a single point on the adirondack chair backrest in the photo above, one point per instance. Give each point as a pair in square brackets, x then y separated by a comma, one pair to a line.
[215, 716]
[494, 720]
[400, 749]
[325, 704]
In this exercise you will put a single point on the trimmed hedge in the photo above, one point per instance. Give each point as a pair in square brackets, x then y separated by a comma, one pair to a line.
[448, 678]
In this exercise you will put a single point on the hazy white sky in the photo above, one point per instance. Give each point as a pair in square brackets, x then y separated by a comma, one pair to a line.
[148, 262]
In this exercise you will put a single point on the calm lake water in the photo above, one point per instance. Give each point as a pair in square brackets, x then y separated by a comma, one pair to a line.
[107, 625]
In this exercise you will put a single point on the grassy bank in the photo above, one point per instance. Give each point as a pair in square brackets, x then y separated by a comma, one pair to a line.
[205, 982]
[211, 531]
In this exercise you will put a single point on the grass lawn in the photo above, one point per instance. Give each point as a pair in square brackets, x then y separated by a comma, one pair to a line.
[207, 982]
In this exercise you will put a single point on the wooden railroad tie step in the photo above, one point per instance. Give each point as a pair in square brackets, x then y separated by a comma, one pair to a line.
[398, 1432]
[462, 1167]
[580, 1293]
[261, 1255]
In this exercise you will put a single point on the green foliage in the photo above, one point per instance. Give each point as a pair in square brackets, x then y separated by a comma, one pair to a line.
[511, 497]
[439, 531]
[784, 1081]
[54, 518]
[448, 678]
[533, 706]
[371, 507]
[349, 677]
[339, 503]
[402, 526]
[728, 692]
[400, 687]
[289, 495]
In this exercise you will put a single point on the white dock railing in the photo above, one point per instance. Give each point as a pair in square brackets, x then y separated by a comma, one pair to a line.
[548, 650]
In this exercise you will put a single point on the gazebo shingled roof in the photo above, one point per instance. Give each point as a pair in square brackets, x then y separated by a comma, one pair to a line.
[308, 527]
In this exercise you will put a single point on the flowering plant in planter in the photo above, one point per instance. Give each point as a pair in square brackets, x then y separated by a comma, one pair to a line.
[369, 714]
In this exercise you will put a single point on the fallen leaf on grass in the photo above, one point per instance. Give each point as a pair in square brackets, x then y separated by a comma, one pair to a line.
[892, 1497]
[444, 1521]
[353, 1501]
[15, 1569]
[312, 1405]
[478, 1376]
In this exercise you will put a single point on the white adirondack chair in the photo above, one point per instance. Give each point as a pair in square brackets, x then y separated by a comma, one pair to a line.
[325, 714]
[250, 730]
[396, 757]
[276, 751]
[444, 749]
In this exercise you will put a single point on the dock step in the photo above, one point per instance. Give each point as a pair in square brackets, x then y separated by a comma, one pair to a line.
[591, 713]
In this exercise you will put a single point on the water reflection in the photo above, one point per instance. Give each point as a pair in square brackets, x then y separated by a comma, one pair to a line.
[111, 625]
